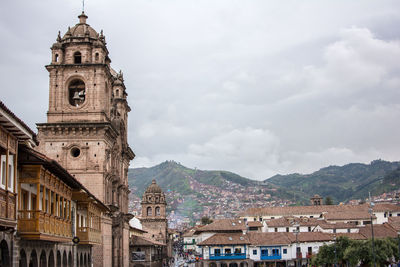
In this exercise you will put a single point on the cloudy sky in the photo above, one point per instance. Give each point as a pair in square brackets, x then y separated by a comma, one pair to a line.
[256, 87]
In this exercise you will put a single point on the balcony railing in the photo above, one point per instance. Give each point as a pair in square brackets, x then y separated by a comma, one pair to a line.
[271, 257]
[89, 235]
[228, 256]
[43, 226]
[7, 207]
[299, 255]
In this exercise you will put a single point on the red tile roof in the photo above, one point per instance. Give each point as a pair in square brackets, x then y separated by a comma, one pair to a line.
[226, 239]
[254, 224]
[380, 231]
[223, 225]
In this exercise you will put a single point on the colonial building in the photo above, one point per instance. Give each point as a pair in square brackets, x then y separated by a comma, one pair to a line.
[13, 133]
[54, 210]
[155, 246]
[86, 130]
[43, 208]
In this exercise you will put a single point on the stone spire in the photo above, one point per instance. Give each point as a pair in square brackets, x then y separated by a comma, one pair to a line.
[82, 18]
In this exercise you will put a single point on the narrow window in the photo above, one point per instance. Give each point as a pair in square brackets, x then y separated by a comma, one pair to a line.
[157, 211]
[3, 173]
[309, 228]
[287, 229]
[149, 211]
[56, 58]
[10, 177]
[276, 229]
[254, 252]
[96, 57]
[77, 58]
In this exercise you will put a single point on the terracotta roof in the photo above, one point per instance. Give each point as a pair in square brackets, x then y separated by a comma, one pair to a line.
[137, 229]
[284, 238]
[295, 210]
[190, 232]
[349, 215]
[226, 239]
[394, 222]
[318, 209]
[290, 221]
[338, 225]
[258, 239]
[254, 224]
[223, 225]
[142, 241]
[17, 130]
[380, 231]
[354, 236]
[386, 207]
[312, 236]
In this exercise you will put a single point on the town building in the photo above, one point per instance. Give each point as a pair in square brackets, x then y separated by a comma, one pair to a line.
[13, 134]
[47, 217]
[154, 246]
[86, 131]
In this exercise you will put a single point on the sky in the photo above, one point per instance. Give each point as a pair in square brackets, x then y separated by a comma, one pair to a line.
[256, 87]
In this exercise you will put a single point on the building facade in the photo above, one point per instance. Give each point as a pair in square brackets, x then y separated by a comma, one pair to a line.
[86, 131]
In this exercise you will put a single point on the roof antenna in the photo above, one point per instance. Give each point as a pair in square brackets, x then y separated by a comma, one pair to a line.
[83, 6]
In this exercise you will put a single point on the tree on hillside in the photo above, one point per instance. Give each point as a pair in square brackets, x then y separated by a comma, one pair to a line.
[328, 201]
[205, 220]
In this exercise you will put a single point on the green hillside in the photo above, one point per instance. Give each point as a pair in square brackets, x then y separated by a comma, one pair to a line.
[171, 175]
[351, 181]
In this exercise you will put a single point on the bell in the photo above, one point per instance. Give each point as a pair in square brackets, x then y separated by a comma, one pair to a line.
[76, 96]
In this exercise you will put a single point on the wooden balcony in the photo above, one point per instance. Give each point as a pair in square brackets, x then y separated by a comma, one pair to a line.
[7, 209]
[89, 236]
[38, 225]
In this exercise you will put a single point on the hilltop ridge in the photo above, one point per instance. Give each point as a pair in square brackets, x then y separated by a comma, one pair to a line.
[194, 193]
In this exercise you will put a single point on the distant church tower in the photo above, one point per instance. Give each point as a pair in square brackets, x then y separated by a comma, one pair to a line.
[86, 130]
[316, 200]
[153, 211]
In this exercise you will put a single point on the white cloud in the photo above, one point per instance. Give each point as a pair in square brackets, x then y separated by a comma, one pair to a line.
[256, 87]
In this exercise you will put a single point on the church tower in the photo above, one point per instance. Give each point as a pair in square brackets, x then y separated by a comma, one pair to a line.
[153, 212]
[86, 130]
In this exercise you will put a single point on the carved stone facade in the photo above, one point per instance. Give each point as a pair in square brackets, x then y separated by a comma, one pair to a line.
[86, 130]
[154, 218]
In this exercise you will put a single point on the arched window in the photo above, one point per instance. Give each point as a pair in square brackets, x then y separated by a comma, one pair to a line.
[77, 93]
[96, 57]
[117, 93]
[149, 211]
[157, 211]
[77, 57]
[56, 58]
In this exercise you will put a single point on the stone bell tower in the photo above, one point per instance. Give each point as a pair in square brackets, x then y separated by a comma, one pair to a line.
[153, 211]
[86, 130]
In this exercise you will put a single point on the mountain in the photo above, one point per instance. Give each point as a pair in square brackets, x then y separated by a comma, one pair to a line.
[342, 183]
[171, 175]
[193, 193]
